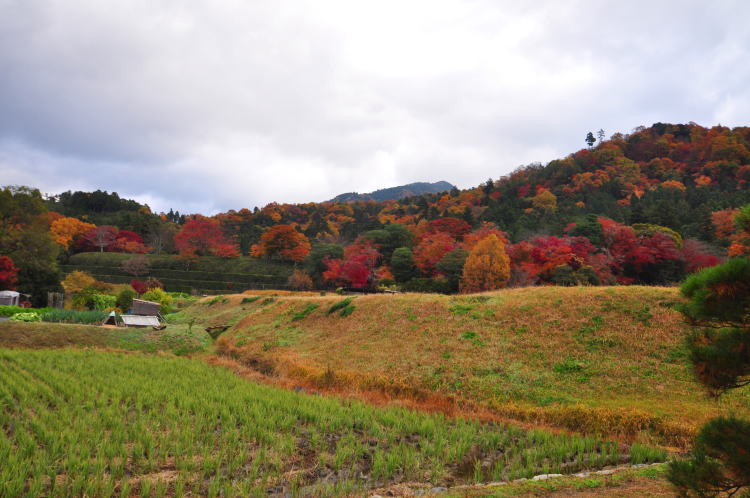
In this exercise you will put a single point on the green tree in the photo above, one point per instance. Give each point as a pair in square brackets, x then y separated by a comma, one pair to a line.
[590, 140]
[590, 228]
[389, 238]
[402, 264]
[314, 263]
[719, 306]
[125, 299]
[451, 266]
[25, 238]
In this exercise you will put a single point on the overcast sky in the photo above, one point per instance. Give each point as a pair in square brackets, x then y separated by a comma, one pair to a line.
[221, 104]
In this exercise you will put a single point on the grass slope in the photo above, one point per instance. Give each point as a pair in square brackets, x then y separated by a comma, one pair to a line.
[594, 359]
[178, 339]
[86, 423]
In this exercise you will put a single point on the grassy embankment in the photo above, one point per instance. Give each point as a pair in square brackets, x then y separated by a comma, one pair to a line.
[608, 361]
[85, 423]
[179, 339]
[206, 274]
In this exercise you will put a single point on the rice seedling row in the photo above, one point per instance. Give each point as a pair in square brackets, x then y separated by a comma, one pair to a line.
[110, 424]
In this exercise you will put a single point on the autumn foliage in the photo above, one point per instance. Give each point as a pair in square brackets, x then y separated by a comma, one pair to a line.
[282, 241]
[487, 267]
[65, 230]
[431, 249]
[646, 207]
[203, 236]
[8, 274]
[357, 268]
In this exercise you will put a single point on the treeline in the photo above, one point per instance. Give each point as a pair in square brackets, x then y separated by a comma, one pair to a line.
[683, 182]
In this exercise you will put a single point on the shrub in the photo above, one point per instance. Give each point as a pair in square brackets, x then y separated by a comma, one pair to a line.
[302, 314]
[428, 285]
[300, 280]
[136, 266]
[153, 283]
[77, 281]
[340, 305]
[565, 275]
[102, 302]
[125, 299]
[138, 286]
[8, 311]
[161, 297]
[91, 299]
[569, 365]
[29, 316]
[347, 310]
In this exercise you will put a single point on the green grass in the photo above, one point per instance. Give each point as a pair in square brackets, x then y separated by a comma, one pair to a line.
[179, 339]
[91, 423]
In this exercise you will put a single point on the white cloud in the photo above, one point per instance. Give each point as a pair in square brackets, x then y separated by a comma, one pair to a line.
[230, 104]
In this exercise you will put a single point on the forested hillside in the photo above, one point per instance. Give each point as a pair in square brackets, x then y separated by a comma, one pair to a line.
[644, 207]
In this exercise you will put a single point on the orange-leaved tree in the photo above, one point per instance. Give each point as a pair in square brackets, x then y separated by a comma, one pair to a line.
[283, 241]
[64, 230]
[487, 267]
[431, 250]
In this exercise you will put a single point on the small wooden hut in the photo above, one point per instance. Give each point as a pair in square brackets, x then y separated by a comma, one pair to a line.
[144, 308]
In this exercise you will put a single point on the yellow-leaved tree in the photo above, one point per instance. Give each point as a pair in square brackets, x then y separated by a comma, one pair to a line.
[487, 267]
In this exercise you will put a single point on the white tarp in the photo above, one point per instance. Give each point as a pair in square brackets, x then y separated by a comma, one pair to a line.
[140, 321]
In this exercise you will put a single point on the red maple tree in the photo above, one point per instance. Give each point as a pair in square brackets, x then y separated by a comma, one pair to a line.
[203, 237]
[357, 268]
[454, 227]
[8, 274]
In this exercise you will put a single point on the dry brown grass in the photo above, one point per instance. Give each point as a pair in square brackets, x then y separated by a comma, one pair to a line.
[607, 360]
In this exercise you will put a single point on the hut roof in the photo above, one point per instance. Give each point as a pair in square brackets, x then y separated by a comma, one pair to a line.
[142, 307]
[140, 321]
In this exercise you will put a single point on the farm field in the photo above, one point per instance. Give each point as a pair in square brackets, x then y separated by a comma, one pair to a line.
[94, 423]
[607, 361]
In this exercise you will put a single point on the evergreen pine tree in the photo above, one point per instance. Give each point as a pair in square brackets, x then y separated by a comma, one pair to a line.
[719, 304]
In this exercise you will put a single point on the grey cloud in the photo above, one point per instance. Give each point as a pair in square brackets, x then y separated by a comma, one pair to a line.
[230, 104]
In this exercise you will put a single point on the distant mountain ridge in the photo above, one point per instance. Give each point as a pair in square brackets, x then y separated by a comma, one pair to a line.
[396, 193]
